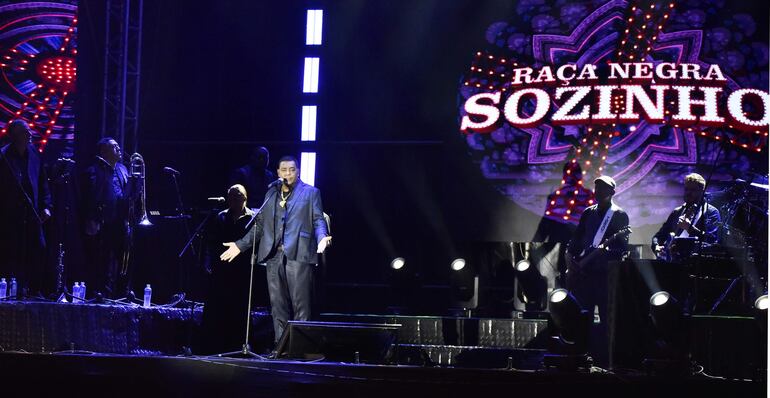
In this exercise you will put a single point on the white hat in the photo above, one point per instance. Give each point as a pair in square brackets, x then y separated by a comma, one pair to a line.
[607, 180]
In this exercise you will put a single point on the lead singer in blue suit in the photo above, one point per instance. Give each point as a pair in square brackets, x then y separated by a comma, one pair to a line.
[292, 231]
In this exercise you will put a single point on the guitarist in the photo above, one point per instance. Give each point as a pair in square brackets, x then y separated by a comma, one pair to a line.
[587, 280]
[694, 218]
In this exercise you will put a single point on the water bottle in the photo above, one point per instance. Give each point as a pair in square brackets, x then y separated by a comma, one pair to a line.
[14, 288]
[82, 291]
[76, 292]
[3, 287]
[147, 296]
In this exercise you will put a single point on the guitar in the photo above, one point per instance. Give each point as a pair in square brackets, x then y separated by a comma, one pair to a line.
[579, 263]
[664, 251]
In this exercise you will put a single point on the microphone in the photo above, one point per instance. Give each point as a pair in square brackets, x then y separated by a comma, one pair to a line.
[217, 199]
[171, 170]
[277, 183]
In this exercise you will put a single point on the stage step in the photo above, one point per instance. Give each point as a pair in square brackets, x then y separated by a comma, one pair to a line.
[458, 331]
[470, 356]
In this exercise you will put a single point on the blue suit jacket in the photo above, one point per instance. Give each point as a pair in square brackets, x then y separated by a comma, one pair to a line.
[304, 227]
[706, 229]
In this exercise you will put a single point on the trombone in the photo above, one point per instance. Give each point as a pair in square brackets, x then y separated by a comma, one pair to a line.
[137, 209]
[137, 205]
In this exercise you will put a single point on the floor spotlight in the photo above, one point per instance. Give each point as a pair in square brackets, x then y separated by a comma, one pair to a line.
[569, 318]
[397, 263]
[522, 266]
[761, 303]
[465, 285]
[668, 355]
[458, 264]
[403, 281]
[568, 348]
[531, 285]
[667, 315]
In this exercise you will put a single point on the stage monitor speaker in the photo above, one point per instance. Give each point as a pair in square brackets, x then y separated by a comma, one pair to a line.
[338, 341]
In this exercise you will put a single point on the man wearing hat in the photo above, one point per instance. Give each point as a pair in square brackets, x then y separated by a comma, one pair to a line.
[601, 236]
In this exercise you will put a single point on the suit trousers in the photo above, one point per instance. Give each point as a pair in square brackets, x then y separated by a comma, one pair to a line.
[290, 286]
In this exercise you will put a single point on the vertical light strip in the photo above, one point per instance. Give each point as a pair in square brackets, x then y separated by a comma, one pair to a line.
[307, 168]
[308, 122]
[310, 86]
[314, 27]
[310, 80]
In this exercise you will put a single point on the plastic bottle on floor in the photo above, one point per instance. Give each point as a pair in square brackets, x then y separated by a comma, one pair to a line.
[83, 291]
[147, 296]
[3, 288]
[14, 288]
[76, 292]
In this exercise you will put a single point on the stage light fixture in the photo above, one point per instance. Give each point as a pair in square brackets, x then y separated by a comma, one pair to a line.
[667, 314]
[761, 303]
[569, 317]
[464, 282]
[531, 285]
[659, 298]
[568, 346]
[397, 263]
[404, 283]
[669, 354]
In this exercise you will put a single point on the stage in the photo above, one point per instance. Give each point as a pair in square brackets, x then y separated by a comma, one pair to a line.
[128, 350]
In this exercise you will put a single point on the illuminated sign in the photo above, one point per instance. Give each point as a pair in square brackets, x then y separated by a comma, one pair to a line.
[640, 91]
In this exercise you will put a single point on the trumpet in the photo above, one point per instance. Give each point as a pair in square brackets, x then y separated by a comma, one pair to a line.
[137, 209]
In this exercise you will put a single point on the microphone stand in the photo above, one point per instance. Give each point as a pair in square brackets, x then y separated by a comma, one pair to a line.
[196, 233]
[181, 211]
[690, 300]
[183, 270]
[246, 348]
[62, 182]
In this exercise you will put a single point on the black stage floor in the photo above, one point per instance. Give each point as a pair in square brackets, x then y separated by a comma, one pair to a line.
[131, 375]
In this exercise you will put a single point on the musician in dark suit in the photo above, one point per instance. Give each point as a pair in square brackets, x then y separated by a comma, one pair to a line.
[25, 204]
[694, 218]
[254, 176]
[105, 203]
[292, 231]
[224, 315]
[598, 239]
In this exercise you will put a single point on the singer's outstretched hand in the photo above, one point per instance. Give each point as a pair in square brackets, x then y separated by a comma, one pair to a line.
[231, 252]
